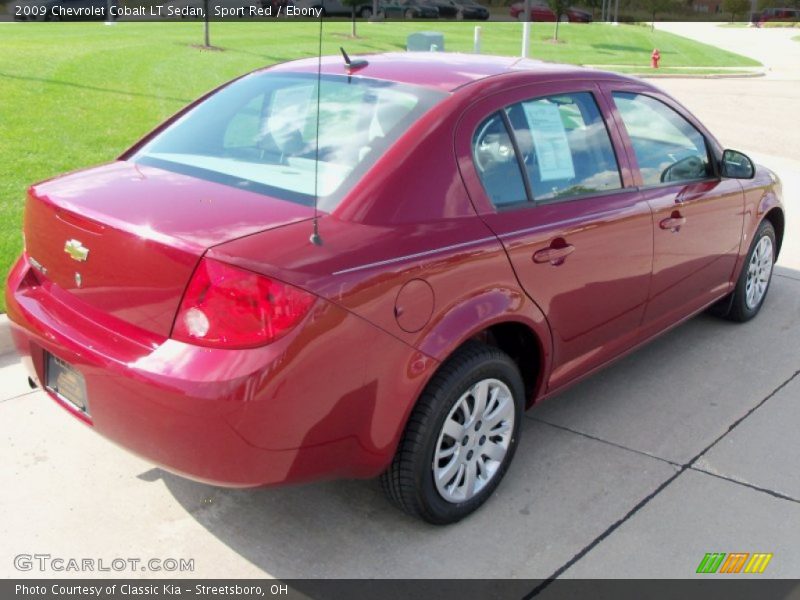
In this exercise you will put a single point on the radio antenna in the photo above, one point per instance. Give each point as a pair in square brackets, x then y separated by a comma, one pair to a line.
[315, 237]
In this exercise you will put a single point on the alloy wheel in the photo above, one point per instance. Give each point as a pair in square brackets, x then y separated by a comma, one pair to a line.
[474, 440]
[759, 272]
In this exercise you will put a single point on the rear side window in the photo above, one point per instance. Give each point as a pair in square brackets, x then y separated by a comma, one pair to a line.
[668, 148]
[497, 164]
[565, 146]
[560, 141]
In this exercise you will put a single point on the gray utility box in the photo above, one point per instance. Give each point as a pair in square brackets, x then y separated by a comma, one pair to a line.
[425, 41]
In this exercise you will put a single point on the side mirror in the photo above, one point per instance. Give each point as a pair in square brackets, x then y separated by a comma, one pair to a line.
[737, 165]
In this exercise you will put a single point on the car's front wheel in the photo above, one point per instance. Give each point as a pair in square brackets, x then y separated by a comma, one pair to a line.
[753, 283]
[460, 437]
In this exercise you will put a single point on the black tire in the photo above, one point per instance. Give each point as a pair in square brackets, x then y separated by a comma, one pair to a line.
[409, 481]
[366, 13]
[409, 14]
[734, 307]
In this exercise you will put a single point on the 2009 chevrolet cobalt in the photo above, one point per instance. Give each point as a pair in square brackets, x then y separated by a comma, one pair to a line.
[373, 268]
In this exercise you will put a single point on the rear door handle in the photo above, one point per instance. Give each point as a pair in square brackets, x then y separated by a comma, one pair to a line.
[555, 256]
[673, 223]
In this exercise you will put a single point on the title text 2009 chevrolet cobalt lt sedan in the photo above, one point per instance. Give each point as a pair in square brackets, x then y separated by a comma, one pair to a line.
[490, 230]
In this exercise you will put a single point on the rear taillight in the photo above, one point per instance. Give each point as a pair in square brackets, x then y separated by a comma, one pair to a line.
[228, 307]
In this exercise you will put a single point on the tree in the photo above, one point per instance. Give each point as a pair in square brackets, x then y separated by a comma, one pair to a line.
[206, 35]
[559, 8]
[736, 7]
[660, 6]
[353, 4]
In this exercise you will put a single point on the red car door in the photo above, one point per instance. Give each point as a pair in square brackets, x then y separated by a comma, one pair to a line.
[697, 216]
[542, 170]
[542, 13]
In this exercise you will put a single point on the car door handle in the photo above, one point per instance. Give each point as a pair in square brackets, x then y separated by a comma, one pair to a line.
[555, 256]
[673, 223]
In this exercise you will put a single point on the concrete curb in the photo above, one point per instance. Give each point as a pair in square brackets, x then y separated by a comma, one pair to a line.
[664, 73]
[6, 345]
[701, 76]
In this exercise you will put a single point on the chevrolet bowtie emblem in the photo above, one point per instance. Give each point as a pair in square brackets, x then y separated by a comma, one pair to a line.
[76, 250]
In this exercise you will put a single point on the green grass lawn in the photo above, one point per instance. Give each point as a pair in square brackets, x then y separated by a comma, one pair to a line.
[73, 95]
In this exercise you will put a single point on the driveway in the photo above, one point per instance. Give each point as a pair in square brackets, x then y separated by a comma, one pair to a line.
[685, 447]
[771, 46]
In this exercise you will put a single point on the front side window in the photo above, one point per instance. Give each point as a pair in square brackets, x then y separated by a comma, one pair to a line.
[261, 133]
[668, 148]
[565, 146]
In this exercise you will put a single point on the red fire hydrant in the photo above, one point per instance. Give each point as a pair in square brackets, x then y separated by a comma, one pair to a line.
[654, 58]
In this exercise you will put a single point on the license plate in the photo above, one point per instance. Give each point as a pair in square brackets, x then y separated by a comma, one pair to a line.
[66, 383]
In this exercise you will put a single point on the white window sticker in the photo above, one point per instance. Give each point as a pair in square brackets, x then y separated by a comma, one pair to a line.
[553, 156]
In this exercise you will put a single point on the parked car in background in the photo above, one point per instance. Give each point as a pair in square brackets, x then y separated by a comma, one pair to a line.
[472, 10]
[539, 11]
[409, 9]
[577, 15]
[277, 6]
[326, 270]
[194, 9]
[336, 8]
[447, 8]
[542, 12]
[778, 14]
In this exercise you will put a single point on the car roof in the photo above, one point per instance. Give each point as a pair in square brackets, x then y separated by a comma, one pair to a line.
[444, 71]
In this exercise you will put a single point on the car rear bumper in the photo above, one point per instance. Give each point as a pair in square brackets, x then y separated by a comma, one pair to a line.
[237, 418]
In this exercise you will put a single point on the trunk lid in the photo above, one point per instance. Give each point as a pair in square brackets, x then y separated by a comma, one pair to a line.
[124, 239]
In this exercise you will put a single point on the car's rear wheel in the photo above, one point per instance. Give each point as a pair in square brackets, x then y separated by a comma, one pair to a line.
[409, 14]
[753, 283]
[460, 437]
[366, 13]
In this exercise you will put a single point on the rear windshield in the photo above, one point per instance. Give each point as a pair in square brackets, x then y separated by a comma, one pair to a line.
[261, 133]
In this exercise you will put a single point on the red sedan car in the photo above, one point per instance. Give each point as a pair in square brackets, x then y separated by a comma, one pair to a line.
[542, 12]
[777, 14]
[489, 231]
